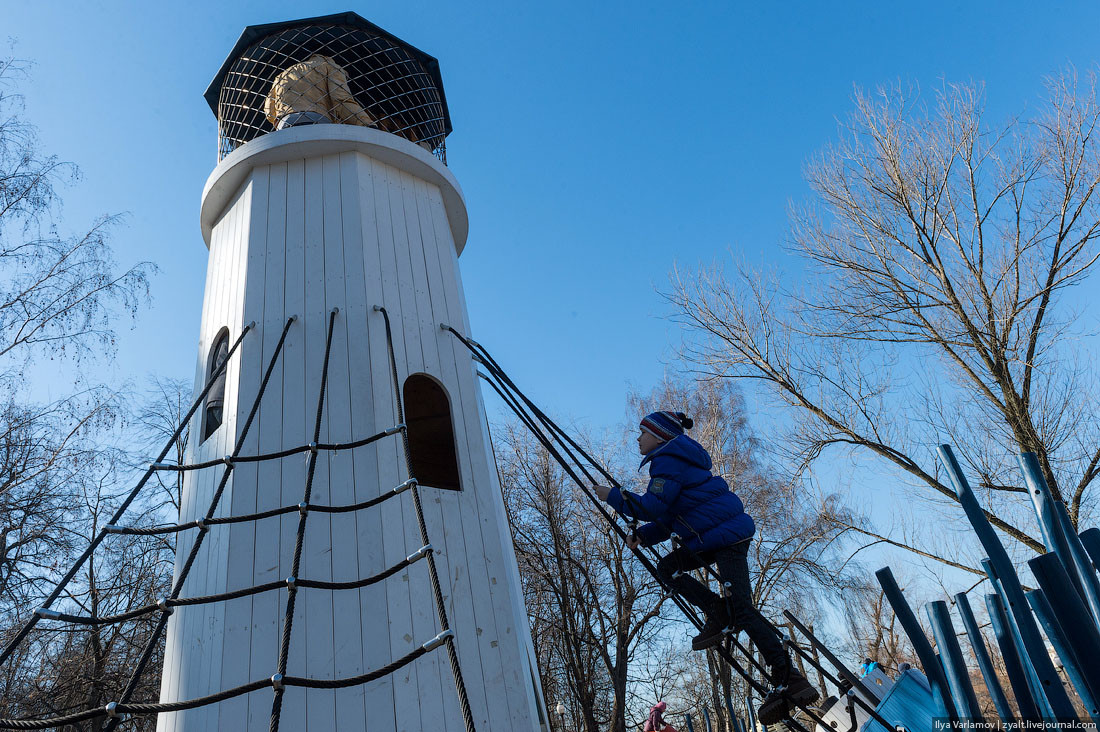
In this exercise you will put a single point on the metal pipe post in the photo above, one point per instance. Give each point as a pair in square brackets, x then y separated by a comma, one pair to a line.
[1022, 619]
[954, 665]
[1072, 617]
[706, 720]
[1035, 686]
[1064, 543]
[1090, 538]
[752, 715]
[1010, 654]
[1082, 562]
[985, 664]
[941, 694]
[1064, 648]
[734, 721]
[687, 722]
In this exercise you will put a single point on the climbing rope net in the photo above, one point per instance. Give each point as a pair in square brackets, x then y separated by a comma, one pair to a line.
[561, 447]
[117, 711]
[581, 468]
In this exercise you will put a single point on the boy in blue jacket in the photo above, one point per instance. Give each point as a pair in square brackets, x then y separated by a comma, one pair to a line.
[683, 497]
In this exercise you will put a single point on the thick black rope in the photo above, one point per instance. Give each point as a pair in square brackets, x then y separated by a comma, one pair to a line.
[851, 678]
[277, 455]
[686, 608]
[116, 710]
[561, 435]
[121, 510]
[266, 514]
[135, 677]
[482, 355]
[299, 541]
[441, 610]
[243, 592]
[646, 555]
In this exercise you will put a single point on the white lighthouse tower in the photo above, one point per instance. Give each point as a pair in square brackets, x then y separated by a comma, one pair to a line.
[332, 197]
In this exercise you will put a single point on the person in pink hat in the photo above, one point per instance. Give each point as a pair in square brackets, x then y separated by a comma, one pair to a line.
[655, 722]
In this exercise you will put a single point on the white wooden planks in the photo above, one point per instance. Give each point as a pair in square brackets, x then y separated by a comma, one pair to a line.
[303, 236]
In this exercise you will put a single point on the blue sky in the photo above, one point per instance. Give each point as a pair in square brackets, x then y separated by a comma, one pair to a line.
[598, 145]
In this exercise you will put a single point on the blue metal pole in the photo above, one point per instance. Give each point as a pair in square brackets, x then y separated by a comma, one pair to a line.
[1010, 654]
[1082, 562]
[733, 717]
[1022, 618]
[1064, 648]
[1043, 502]
[1055, 535]
[706, 719]
[954, 665]
[1035, 686]
[977, 644]
[941, 695]
[1072, 616]
[1090, 538]
[752, 714]
[687, 722]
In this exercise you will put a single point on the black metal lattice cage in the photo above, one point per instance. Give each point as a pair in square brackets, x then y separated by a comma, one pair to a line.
[397, 86]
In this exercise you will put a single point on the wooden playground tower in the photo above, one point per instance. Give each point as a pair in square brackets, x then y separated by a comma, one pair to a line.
[324, 236]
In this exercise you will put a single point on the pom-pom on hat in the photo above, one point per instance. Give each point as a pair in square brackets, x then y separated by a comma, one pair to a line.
[666, 425]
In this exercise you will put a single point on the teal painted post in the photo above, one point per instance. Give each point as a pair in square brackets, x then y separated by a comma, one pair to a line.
[1043, 502]
[1038, 694]
[941, 694]
[734, 720]
[1064, 648]
[985, 664]
[1067, 544]
[1010, 654]
[1090, 538]
[1020, 614]
[752, 715]
[1072, 616]
[954, 665]
[1082, 562]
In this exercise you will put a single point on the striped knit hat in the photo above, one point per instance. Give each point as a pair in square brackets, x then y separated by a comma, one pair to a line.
[666, 425]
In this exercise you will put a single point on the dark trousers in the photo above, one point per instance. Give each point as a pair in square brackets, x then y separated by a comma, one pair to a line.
[733, 567]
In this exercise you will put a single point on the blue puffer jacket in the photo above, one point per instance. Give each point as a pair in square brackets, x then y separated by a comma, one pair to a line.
[683, 497]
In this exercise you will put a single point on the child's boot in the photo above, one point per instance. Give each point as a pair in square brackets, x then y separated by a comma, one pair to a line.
[790, 690]
[718, 618]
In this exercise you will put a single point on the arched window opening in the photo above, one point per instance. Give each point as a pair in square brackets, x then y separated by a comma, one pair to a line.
[432, 457]
[213, 412]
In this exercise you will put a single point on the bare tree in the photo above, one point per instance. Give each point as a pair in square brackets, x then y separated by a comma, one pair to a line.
[594, 609]
[60, 471]
[65, 668]
[874, 633]
[940, 254]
